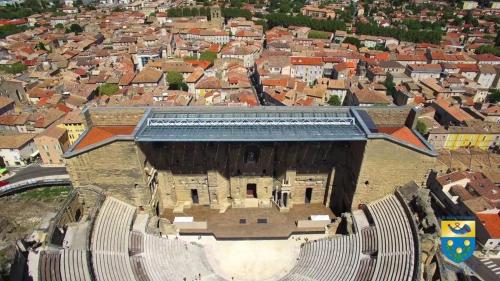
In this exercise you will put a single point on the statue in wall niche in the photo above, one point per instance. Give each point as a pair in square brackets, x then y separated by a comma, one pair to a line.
[251, 155]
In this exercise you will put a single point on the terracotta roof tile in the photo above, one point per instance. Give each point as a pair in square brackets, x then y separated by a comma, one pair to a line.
[307, 60]
[403, 134]
[101, 133]
[492, 224]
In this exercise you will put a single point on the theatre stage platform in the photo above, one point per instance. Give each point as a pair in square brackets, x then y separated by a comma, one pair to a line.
[229, 225]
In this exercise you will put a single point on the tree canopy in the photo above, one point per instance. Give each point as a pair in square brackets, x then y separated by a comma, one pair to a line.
[108, 89]
[26, 9]
[421, 127]
[176, 81]
[389, 84]
[210, 56]
[10, 29]
[488, 49]
[417, 36]
[188, 12]
[15, 68]
[494, 96]
[300, 20]
[76, 28]
[334, 100]
[353, 40]
[236, 13]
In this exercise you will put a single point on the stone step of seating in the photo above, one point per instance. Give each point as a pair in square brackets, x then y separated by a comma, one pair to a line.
[136, 243]
[110, 241]
[172, 259]
[74, 265]
[334, 258]
[366, 268]
[340, 257]
[369, 238]
[395, 255]
[50, 263]
[139, 269]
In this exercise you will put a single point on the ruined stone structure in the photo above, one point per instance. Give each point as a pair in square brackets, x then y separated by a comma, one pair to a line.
[249, 157]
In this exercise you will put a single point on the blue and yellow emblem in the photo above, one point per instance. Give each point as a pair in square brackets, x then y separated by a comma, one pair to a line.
[458, 239]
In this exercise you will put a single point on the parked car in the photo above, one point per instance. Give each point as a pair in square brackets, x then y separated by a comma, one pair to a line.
[2, 183]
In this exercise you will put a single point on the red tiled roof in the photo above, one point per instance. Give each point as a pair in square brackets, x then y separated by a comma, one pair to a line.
[454, 110]
[403, 134]
[101, 133]
[201, 63]
[275, 82]
[215, 48]
[467, 67]
[63, 108]
[307, 60]
[13, 22]
[32, 62]
[492, 224]
[81, 71]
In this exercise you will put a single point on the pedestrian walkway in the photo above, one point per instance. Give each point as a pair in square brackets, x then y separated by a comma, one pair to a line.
[493, 265]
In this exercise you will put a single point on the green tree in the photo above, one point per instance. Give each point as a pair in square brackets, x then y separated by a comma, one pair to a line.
[10, 29]
[175, 81]
[494, 96]
[285, 20]
[108, 89]
[488, 49]
[41, 46]
[389, 84]
[263, 23]
[236, 13]
[15, 68]
[353, 40]
[76, 28]
[210, 56]
[421, 127]
[59, 26]
[334, 100]
[417, 36]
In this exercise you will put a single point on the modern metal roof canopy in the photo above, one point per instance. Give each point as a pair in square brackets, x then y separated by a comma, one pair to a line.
[249, 124]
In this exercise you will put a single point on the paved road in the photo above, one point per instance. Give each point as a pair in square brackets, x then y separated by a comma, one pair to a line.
[487, 269]
[35, 171]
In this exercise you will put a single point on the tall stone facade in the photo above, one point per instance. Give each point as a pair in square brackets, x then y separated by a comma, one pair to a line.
[385, 166]
[248, 174]
[115, 168]
[175, 174]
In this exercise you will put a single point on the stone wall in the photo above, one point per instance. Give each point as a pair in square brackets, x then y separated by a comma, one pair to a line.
[113, 167]
[113, 116]
[398, 116]
[222, 172]
[387, 165]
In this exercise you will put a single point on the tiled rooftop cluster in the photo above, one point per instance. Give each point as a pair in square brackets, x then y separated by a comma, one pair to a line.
[143, 54]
